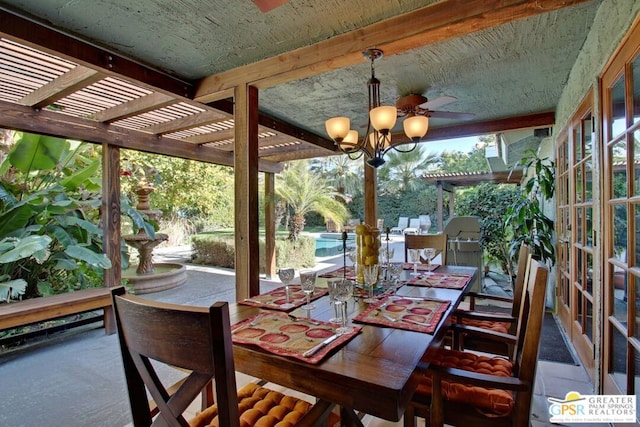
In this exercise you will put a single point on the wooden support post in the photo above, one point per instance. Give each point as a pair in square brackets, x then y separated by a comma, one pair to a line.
[452, 197]
[246, 192]
[370, 195]
[111, 224]
[440, 207]
[270, 224]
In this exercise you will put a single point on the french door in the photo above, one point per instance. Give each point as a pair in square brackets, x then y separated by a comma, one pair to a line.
[620, 89]
[574, 229]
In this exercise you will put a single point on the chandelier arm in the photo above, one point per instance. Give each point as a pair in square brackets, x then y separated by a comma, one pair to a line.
[395, 147]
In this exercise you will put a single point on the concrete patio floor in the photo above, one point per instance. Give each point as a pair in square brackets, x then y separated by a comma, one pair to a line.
[76, 378]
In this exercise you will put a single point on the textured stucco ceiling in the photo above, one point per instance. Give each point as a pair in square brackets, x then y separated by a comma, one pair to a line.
[513, 69]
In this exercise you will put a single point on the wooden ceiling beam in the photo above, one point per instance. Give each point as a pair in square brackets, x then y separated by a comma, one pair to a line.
[31, 33]
[135, 107]
[66, 84]
[195, 120]
[443, 20]
[280, 126]
[530, 121]
[13, 116]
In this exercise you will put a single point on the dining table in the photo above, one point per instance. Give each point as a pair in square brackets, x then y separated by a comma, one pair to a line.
[374, 371]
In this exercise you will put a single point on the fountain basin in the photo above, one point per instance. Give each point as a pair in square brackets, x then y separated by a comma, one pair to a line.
[166, 276]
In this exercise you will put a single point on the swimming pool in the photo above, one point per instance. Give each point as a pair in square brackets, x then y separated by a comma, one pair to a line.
[330, 247]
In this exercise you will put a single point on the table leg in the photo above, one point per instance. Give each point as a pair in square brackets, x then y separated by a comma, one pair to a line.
[348, 418]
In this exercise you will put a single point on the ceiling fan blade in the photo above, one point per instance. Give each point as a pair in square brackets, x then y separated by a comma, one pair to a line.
[451, 115]
[267, 5]
[438, 102]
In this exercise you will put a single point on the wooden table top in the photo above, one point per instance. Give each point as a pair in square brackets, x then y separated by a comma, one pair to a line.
[372, 373]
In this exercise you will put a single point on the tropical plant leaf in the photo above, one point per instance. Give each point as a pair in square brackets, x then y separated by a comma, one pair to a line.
[79, 178]
[88, 256]
[14, 219]
[25, 248]
[12, 289]
[6, 197]
[37, 152]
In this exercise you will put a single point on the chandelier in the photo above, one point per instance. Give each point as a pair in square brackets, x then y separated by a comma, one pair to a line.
[377, 140]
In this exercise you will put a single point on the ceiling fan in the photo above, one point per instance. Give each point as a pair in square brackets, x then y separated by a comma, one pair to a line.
[267, 5]
[419, 105]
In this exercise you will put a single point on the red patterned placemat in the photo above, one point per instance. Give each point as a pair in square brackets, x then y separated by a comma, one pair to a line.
[414, 314]
[421, 267]
[280, 334]
[348, 272]
[273, 300]
[438, 280]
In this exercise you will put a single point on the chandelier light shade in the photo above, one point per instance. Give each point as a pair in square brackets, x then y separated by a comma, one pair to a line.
[416, 127]
[382, 119]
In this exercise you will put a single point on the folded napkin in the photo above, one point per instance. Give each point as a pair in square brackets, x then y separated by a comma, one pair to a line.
[439, 280]
[421, 267]
[347, 272]
[275, 299]
[411, 313]
[286, 335]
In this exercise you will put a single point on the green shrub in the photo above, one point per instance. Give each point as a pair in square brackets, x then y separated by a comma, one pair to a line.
[214, 250]
[299, 254]
[219, 251]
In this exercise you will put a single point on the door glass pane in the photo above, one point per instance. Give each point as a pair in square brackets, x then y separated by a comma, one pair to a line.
[620, 295]
[636, 209]
[618, 354]
[579, 188]
[619, 166]
[589, 226]
[588, 321]
[577, 142]
[635, 66]
[565, 291]
[636, 163]
[579, 228]
[618, 113]
[588, 181]
[620, 229]
[586, 135]
[579, 306]
[589, 274]
[636, 307]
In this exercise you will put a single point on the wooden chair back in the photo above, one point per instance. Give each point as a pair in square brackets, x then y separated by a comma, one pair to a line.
[518, 286]
[420, 241]
[196, 339]
[440, 411]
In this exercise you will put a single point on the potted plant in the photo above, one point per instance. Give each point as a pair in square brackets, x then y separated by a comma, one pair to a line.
[525, 217]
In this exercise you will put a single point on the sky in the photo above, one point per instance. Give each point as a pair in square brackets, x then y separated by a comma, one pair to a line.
[459, 144]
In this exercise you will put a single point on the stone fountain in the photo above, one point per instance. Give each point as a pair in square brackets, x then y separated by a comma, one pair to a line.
[148, 277]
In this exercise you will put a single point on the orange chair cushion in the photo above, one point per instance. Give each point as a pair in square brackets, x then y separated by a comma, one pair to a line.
[502, 327]
[259, 407]
[489, 401]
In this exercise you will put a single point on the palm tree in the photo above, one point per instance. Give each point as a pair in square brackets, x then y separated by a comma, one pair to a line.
[306, 192]
[402, 171]
[340, 171]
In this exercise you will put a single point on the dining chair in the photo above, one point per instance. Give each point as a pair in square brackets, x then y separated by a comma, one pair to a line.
[464, 388]
[420, 241]
[469, 325]
[197, 340]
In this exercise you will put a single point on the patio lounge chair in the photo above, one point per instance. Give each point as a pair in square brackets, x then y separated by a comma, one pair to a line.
[414, 226]
[403, 222]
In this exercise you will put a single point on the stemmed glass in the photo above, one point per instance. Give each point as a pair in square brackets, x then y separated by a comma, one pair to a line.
[370, 273]
[308, 282]
[429, 253]
[415, 259]
[333, 286]
[286, 276]
[344, 291]
[395, 269]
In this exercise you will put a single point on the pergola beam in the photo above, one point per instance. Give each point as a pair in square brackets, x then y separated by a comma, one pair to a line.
[13, 116]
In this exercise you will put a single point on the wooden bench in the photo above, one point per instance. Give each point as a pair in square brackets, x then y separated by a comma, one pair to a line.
[34, 310]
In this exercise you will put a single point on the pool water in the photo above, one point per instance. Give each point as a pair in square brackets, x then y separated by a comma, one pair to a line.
[329, 247]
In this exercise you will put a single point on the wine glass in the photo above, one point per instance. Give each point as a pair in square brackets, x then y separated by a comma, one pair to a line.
[395, 269]
[286, 276]
[333, 286]
[370, 273]
[414, 254]
[344, 291]
[308, 283]
[429, 253]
